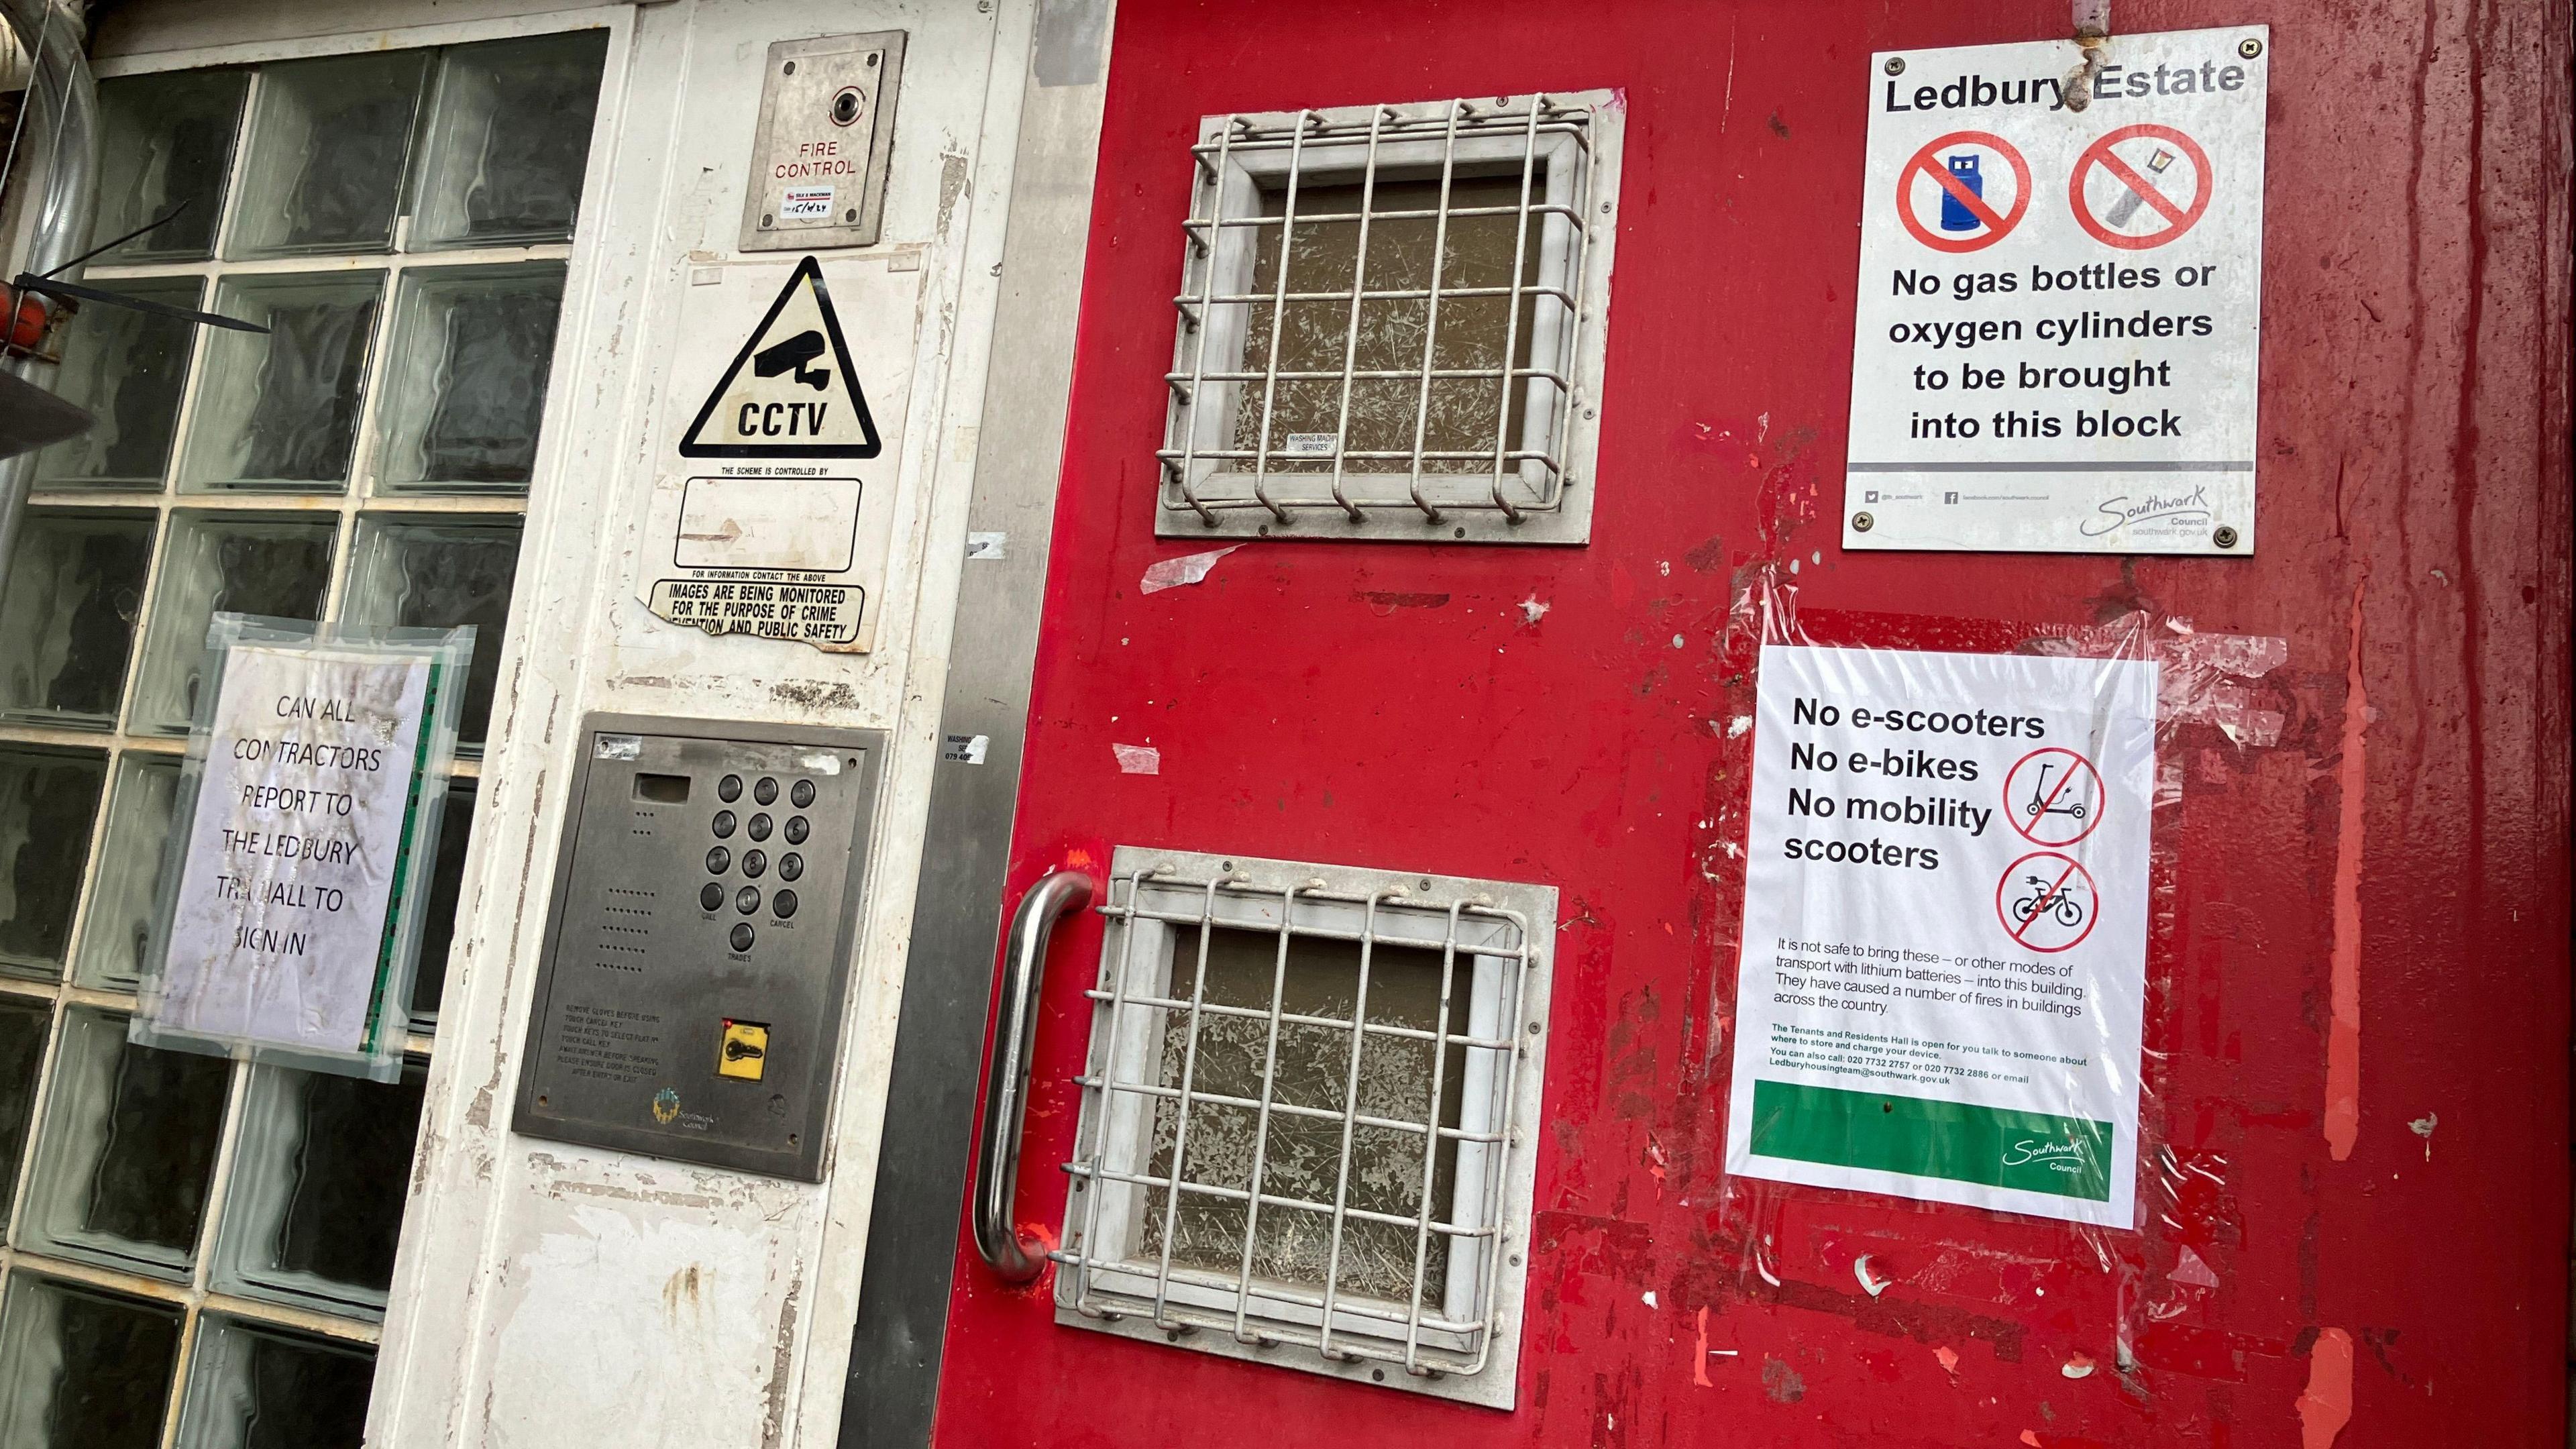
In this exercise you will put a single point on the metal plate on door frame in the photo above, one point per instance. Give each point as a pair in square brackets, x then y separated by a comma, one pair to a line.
[835, 91]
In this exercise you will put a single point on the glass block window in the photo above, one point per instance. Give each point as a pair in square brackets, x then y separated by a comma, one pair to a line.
[198, 1251]
[1304, 1118]
[1391, 322]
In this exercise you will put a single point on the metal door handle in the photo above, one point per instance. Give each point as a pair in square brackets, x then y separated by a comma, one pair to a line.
[1006, 1079]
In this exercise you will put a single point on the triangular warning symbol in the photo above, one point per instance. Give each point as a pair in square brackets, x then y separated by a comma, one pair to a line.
[790, 392]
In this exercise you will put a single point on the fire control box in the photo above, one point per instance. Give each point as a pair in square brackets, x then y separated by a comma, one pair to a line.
[698, 949]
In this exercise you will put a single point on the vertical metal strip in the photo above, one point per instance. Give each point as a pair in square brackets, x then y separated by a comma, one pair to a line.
[919, 1193]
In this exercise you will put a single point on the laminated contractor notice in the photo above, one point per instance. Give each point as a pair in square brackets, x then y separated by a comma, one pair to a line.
[1945, 916]
[299, 857]
[2058, 311]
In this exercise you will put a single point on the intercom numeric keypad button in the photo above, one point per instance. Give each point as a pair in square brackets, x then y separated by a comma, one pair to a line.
[797, 829]
[766, 792]
[801, 794]
[729, 789]
[747, 900]
[753, 863]
[723, 824]
[790, 866]
[719, 860]
[758, 829]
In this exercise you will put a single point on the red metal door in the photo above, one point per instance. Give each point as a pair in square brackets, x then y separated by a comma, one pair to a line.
[2355, 1195]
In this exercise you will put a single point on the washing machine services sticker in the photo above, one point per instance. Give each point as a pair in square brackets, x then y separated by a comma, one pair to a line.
[2058, 312]
[774, 512]
[1943, 974]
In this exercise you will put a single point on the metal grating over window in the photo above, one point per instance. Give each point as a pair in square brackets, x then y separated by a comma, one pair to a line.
[1390, 322]
[1303, 1118]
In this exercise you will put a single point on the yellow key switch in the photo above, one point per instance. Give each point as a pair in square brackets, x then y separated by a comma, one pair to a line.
[745, 1053]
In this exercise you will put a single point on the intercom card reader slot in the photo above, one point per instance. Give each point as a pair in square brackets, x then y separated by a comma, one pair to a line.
[698, 950]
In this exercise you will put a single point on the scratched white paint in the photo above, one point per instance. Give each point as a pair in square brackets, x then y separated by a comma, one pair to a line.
[672, 1293]
[547, 1295]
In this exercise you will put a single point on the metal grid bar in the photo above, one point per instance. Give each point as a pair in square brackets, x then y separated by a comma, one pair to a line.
[1104, 1047]
[1163, 927]
[1261, 1112]
[1350, 1109]
[1340, 1023]
[1181, 1124]
[1205, 478]
[1370, 1331]
[1195, 225]
[1512, 314]
[1278, 313]
[1431, 1143]
[1401, 125]
[1350, 358]
[1273, 1199]
[1217, 175]
[1422, 403]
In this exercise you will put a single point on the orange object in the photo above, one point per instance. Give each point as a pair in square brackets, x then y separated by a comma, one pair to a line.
[28, 317]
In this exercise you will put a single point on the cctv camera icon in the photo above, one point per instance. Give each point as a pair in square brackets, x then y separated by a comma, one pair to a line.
[794, 353]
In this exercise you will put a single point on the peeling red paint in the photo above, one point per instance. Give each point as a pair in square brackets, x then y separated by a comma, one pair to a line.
[2325, 1406]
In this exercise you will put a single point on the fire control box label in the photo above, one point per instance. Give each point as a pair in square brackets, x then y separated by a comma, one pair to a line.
[1943, 974]
[2059, 302]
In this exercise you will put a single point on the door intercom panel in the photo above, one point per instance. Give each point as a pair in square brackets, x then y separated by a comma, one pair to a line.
[705, 903]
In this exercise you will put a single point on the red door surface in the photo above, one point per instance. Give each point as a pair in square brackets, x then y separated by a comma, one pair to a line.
[2354, 1189]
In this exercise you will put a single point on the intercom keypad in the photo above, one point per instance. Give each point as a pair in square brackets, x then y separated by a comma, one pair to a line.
[711, 1038]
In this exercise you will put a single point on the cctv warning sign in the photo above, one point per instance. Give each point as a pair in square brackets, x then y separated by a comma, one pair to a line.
[791, 392]
[775, 515]
[2058, 315]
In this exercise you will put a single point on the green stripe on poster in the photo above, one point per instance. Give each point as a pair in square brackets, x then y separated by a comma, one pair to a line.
[2031, 1151]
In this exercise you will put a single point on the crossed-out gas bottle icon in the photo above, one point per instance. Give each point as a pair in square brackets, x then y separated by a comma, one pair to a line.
[1968, 190]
